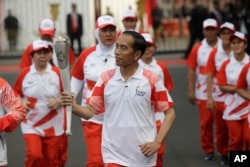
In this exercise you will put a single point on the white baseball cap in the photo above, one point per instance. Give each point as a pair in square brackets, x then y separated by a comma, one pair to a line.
[40, 44]
[129, 14]
[210, 23]
[47, 27]
[228, 26]
[148, 38]
[239, 35]
[104, 21]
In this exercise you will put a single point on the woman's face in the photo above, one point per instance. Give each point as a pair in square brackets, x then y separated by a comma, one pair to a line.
[149, 52]
[108, 35]
[238, 46]
[225, 35]
[42, 57]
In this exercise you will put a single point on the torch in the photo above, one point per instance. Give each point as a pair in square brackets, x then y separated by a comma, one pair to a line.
[61, 46]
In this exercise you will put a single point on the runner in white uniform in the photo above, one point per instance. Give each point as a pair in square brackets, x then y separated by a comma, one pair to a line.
[216, 98]
[128, 95]
[40, 87]
[237, 108]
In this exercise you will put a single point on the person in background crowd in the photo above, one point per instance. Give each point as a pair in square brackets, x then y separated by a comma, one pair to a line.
[243, 19]
[148, 61]
[157, 17]
[90, 64]
[216, 98]
[128, 96]
[47, 31]
[39, 85]
[11, 26]
[129, 21]
[217, 13]
[12, 112]
[197, 83]
[236, 108]
[75, 27]
[197, 15]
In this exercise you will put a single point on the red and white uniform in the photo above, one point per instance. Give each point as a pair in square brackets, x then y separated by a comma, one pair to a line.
[215, 60]
[197, 60]
[26, 59]
[40, 120]
[237, 108]
[12, 113]
[243, 81]
[91, 63]
[129, 108]
[161, 70]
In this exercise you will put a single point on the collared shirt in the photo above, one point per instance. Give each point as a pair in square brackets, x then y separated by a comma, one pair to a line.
[129, 114]
[236, 107]
[197, 60]
[40, 119]
[216, 58]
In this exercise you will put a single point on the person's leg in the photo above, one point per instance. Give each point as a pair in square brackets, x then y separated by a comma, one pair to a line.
[206, 123]
[79, 44]
[63, 150]
[221, 133]
[34, 153]
[236, 135]
[3, 150]
[192, 40]
[92, 133]
[51, 147]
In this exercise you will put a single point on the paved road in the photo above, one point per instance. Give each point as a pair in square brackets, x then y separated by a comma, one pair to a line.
[183, 148]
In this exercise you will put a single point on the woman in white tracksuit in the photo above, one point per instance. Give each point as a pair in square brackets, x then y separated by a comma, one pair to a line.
[90, 64]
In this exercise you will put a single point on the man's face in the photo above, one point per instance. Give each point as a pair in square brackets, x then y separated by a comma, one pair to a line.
[124, 53]
[210, 33]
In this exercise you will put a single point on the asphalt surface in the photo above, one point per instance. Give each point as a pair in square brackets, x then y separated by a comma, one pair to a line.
[183, 145]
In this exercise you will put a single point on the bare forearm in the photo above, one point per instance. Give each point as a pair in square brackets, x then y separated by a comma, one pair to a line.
[85, 112]
[243, 93]
[166, 126]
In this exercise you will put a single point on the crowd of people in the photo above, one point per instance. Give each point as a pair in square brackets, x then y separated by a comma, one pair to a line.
[119, 61]
[125, 89]
[214, 66]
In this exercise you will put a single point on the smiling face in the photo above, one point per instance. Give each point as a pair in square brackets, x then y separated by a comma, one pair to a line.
[107, 35]
[238, 46]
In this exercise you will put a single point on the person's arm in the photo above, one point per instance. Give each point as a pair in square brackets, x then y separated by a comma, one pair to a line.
[243, 93]
[210, 100]
[13, 105]
[85, 112]
[191, 85]
[150, 148]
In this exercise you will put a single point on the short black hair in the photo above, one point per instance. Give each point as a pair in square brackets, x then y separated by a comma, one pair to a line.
[140, 43]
